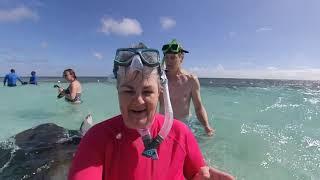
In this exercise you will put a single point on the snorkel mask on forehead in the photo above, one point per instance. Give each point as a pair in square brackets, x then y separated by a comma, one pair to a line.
[136, 59]
[173, 47]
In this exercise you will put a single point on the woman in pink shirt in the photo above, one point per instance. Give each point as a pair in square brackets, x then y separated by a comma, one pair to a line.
[139, 143]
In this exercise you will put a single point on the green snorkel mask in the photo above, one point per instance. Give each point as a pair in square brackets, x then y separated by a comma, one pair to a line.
[173, 47]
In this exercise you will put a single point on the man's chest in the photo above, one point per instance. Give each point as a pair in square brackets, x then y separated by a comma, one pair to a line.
[180, 90]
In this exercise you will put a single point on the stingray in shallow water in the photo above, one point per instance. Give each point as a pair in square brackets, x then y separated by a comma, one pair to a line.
[42, 152]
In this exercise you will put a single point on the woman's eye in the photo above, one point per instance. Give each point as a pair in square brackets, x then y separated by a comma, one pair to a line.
[128, 91]
[147, 92]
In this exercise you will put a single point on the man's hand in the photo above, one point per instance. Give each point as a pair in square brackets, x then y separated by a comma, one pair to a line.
[209, 130]
[207, 173]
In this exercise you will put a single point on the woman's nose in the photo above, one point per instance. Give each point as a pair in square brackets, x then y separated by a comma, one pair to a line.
[139, 99]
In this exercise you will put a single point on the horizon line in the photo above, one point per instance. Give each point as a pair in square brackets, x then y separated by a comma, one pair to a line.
[99, 76]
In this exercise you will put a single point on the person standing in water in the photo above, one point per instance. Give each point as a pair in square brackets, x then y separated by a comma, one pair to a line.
[140, 143]
[12, 78]
[73, 92]
[33, 78]
[183, 87]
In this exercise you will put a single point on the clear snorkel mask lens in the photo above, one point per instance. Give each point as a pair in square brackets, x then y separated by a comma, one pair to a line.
[149, 57]
[146, 57]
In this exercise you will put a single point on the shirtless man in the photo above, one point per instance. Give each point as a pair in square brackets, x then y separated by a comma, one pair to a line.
[183, 87]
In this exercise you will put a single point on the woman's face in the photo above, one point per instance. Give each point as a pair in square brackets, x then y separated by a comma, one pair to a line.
[138, 99]
[68, 76]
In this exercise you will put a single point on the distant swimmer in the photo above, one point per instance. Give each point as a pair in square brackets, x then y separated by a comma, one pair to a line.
[12, 78]
[33, 78]
[73, 93]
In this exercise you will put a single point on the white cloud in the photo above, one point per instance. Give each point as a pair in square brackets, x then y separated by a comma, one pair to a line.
[262, 29]
[124, 27]
[167, 23]
[97, 55]
[246, 63]
[17, 14]
[44, 44]
[15, 57]
[219, 68]
[267, 73]
[271, 68]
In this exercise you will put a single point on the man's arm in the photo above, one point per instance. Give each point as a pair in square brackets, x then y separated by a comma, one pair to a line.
[19, 79]
[5, 80]
[199, 108]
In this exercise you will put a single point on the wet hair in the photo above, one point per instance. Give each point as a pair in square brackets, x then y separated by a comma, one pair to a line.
[33, 73]
[12, 70]
[71, 72]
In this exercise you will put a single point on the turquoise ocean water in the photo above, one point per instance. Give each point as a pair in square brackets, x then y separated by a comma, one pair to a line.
[265, 129]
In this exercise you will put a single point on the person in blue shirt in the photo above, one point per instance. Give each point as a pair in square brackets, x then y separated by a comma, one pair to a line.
[12, 78]
[33, 78]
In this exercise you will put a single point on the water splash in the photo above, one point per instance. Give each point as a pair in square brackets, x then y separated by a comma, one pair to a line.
[278, 105]
[8, 145]
[289, 148]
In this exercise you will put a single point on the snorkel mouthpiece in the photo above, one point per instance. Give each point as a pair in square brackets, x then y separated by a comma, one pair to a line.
[151, 147]
[146, 140]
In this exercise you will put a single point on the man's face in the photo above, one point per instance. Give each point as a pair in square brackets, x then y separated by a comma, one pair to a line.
[173, 61]
[138, 100]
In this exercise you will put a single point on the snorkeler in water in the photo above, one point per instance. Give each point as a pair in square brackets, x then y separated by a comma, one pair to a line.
[33, 78]
[73, 93]
[12, 78]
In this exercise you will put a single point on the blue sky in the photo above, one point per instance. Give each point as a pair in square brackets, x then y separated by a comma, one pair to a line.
[244, 39]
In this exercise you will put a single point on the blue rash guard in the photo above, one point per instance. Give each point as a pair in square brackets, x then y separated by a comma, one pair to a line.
[12, 79]
[33, 80]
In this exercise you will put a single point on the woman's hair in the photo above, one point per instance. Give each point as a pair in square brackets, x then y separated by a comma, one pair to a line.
[124, 74]
[71, 72]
